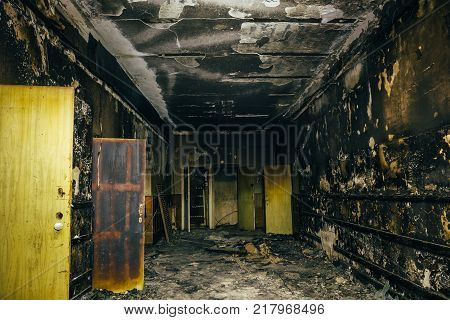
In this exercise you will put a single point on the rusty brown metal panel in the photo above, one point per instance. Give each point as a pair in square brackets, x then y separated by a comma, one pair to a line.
[119, 200]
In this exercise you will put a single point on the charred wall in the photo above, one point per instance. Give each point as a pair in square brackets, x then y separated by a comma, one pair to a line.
[33, 51]
[377, 192]
[249, 147]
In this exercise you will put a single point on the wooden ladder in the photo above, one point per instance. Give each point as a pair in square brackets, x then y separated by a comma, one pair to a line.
[167, 223]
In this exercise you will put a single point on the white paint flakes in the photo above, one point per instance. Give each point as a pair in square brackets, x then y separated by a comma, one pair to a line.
[325, 13]
[252, 32]
[76, 178]
[271, 3]
[238, 14]
[328, 13]
[172, 9]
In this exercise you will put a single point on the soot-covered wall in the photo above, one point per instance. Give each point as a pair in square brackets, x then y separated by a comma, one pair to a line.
[32, 54]
[378, 191]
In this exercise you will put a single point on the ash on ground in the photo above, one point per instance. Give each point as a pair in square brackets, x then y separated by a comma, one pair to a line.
[227, 263]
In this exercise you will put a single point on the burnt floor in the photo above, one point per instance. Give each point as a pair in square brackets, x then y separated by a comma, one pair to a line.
[241, 265]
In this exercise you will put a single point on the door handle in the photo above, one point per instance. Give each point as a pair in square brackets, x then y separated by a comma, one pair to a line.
[58, 226]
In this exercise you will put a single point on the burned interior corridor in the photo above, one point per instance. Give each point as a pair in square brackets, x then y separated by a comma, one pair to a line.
[224, 149]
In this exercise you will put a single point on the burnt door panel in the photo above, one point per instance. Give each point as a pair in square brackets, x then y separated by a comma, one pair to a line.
[118, 192]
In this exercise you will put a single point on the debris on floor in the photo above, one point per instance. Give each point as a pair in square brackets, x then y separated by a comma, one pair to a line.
[231, 264]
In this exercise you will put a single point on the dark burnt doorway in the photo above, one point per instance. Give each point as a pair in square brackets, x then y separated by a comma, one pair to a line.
[199, 197]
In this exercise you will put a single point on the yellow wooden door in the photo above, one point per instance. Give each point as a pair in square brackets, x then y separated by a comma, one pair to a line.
[246, 201]
[36, 136]
[278, 192]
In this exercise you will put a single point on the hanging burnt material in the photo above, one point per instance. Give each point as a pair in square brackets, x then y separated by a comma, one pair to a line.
[118, 192]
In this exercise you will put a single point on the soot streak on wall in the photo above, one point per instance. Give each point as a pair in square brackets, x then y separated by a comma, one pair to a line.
[377, 196]
[31, 54]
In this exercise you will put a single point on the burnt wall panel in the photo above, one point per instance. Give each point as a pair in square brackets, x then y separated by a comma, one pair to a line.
[377, 190]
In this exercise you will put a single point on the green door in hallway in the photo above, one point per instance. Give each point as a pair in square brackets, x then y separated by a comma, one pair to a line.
[246, 202]
[36, 136]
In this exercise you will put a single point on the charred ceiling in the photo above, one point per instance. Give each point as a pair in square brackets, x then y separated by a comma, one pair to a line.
[220, 61]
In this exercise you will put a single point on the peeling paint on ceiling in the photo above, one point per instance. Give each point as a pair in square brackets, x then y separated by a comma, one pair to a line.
[172, 9]
[259, 55]
[324, 13]
[133, 62]
[236, 13]
[271, 3]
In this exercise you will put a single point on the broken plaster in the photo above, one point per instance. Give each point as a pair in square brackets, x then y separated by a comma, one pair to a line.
[235, 13]
[426, 279]
[76, 178]
[271, 3]
[172, 9]
[325, 13]
[32, 36]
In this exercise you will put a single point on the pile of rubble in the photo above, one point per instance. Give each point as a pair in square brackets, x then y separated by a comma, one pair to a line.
[233, 264]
